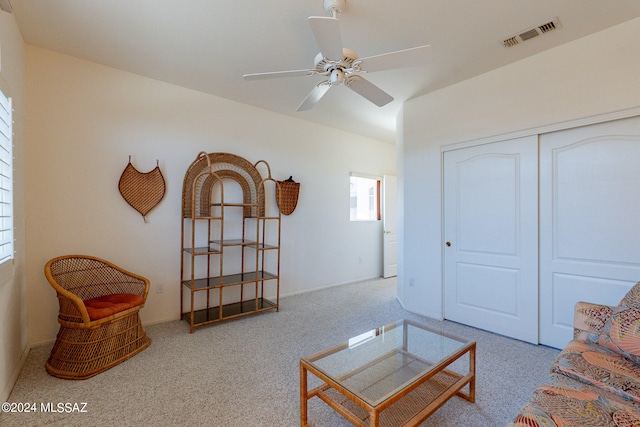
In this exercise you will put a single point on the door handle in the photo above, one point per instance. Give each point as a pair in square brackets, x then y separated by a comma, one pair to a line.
[448, 244]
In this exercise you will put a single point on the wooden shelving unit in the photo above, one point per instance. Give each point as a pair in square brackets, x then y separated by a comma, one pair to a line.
[230, 262]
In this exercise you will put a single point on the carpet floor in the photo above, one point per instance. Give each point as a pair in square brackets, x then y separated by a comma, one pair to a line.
[245, 372]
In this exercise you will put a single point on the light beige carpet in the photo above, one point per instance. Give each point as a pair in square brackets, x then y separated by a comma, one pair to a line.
[245, 372]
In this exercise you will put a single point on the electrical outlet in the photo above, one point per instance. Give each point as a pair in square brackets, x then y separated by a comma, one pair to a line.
[412, 282]
[359, 260]
[159, 288]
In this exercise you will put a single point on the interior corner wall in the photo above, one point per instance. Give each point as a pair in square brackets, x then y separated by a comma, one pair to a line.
[84, 120]
[13, 311]
[596, 76]
[400, 200]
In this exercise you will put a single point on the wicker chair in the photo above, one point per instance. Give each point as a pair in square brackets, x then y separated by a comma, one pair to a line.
[99, 322]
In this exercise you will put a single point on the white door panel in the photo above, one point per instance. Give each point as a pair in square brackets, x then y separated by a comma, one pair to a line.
[491, 235]
[589, 204]
[390, 221]
[478, 285]
[481, 231]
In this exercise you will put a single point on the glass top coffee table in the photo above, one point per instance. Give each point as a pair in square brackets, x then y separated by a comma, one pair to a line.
[396, 375]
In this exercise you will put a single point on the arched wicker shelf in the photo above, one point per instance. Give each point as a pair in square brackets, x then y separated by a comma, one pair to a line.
[228, 271]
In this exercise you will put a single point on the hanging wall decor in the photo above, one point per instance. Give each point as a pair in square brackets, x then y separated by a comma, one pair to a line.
[287, 195]
[142, 190]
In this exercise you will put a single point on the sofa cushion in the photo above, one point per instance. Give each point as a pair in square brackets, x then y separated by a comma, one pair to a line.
[622, 329]
[565, 402]
[105, 306]
[598, 366]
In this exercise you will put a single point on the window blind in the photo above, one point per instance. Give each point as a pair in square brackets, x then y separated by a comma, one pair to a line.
[6, 180]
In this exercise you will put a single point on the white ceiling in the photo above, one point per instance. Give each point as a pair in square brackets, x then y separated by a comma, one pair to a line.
[207, 45]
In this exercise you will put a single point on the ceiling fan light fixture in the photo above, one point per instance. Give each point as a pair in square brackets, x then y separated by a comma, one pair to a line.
[337, 76]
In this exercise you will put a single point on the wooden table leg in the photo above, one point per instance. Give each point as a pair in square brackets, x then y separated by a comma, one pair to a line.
[472, 369]
[303, 396]
[374, 419]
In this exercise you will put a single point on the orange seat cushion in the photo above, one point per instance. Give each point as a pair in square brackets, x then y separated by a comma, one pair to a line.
[108, 305]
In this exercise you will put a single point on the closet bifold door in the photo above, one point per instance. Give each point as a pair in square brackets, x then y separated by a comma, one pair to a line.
[491, 237]
[589, 211]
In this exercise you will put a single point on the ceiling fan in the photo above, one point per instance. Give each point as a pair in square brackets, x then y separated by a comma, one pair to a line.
[342, 66]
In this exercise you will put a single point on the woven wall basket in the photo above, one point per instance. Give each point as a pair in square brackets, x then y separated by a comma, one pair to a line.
[143, 191]
[287, 196]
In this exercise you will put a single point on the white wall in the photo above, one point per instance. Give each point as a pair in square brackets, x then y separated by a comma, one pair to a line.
[13, 325]
[562, 87]
[83, 122]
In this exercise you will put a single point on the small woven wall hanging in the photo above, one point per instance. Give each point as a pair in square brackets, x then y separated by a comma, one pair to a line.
[142, 190]
[287, 195]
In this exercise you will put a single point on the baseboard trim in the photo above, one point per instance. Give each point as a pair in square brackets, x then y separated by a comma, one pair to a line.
[324, 287]
[160, 321]
[14, 376]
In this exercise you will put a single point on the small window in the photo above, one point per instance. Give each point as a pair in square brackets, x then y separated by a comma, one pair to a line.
[364, 198]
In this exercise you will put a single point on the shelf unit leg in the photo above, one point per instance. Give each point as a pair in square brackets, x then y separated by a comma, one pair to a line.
[220, 304]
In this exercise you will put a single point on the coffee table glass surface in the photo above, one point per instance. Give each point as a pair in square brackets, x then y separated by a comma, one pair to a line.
[381, 366]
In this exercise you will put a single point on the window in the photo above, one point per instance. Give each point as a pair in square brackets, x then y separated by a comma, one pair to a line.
[364, 198]
[6, 183]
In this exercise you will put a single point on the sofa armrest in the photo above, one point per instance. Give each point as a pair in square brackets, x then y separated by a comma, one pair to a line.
[589, 320]
[72, 308]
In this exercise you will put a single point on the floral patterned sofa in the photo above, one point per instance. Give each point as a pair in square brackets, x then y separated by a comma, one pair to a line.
[595, 381]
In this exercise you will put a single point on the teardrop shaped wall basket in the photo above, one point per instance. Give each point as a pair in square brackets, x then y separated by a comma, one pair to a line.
[287, 195]
[142, 190]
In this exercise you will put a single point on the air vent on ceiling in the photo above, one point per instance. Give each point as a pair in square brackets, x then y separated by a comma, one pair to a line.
[525, 35]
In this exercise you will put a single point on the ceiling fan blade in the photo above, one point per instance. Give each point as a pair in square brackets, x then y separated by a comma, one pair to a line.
[278, 74]
[326, 31]
[314, 96]
[399, 59]
[368, 90]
